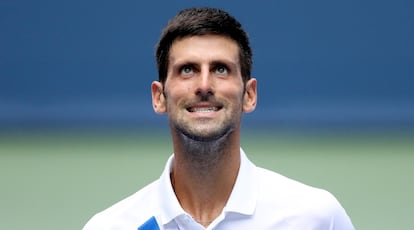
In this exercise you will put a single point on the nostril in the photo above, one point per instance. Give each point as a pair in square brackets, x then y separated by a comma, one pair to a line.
[204, 94]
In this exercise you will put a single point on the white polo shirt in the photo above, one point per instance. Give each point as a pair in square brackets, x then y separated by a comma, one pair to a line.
[261, 199]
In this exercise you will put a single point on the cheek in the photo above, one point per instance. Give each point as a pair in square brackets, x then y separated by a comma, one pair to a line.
[234, 93]
[177, 88]
[174, 97]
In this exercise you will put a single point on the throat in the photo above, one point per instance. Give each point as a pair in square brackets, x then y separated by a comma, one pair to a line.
[203, 200]
[204, 193]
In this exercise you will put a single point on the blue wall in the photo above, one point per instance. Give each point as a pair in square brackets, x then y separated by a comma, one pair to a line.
[318, 63]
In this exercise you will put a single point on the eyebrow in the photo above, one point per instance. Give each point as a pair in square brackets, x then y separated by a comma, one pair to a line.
[212, 63]
[226, 63]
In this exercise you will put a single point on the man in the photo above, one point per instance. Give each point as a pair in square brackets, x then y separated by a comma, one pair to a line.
[204, 63]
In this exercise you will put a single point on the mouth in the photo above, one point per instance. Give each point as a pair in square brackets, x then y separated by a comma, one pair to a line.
[203, 108]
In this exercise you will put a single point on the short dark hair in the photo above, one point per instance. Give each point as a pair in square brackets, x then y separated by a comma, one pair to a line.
[203, 21]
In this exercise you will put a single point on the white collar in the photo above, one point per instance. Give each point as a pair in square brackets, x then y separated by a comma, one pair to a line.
[242, 199]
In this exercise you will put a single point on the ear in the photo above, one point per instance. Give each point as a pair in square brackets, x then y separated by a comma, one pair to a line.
[250, 96]
[158, 99]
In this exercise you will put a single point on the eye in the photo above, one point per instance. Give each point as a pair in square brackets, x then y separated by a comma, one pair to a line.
[186, 70]
[221, 70]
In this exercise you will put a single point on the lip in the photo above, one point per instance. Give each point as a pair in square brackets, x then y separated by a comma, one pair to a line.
[204, 108]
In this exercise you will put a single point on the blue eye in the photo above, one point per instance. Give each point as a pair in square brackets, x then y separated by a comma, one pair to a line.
[186, 70]
[221, 70]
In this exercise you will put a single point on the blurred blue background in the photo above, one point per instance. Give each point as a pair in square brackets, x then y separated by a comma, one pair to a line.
[320, 64]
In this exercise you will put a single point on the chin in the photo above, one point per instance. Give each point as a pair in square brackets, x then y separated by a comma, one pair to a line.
[207, 136]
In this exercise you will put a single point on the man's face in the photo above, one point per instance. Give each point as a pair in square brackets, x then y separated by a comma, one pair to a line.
[204, 94]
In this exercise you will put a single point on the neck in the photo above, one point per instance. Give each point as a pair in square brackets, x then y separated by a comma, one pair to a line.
[204, 156]
[204, 174]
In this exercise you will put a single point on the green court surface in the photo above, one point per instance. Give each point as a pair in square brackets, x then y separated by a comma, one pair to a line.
[58, 181]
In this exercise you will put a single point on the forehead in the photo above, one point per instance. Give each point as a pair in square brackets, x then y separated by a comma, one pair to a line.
[203, 48]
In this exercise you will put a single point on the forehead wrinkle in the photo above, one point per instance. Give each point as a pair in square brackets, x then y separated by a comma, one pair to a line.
[183, 51]
[204, 41]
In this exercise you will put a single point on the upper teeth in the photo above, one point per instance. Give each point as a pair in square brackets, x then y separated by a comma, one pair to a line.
[203, 109]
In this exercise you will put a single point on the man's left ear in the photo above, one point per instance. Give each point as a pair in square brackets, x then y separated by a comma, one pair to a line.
[250, 96]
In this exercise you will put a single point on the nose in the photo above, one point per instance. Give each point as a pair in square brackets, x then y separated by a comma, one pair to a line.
[205, 84]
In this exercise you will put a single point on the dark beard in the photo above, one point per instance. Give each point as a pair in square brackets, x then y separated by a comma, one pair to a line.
[205, 152]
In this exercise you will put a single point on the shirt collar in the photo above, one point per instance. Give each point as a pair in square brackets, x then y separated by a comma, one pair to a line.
[242, 199]
[244, 195]
[170, 207]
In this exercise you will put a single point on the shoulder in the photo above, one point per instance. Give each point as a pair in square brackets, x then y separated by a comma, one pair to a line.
[272, 183]
[299, 202]
[131, 209]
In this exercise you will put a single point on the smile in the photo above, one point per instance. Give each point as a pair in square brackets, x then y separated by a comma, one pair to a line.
[203, 109]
